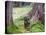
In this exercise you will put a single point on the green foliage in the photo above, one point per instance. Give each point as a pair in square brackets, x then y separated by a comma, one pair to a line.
[17, 27]
[13, 29]
[37, 27]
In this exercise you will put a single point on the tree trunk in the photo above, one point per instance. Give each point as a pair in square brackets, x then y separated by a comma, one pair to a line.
[9, 12]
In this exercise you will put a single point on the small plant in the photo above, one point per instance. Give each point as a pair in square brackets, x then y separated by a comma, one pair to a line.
[37, 27]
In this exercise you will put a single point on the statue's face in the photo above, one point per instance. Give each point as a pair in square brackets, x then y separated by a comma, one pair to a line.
[27, 22]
